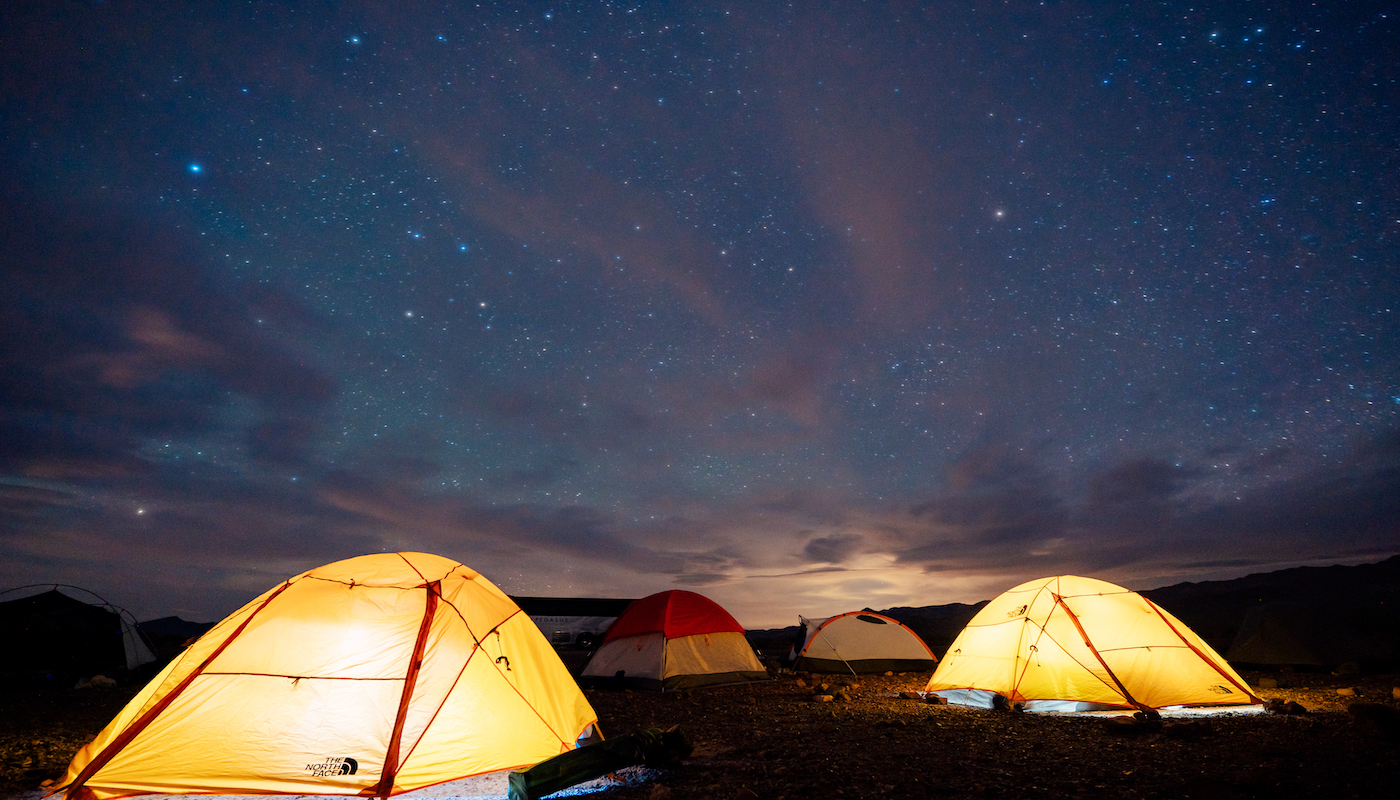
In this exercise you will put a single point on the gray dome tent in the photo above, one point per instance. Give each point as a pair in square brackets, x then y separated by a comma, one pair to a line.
[55, 637]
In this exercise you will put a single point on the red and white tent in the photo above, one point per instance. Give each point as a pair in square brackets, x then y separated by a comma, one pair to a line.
[673, 640]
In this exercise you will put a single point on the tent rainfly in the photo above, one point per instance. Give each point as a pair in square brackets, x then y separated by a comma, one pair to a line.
[1077, 644]
[673, 640]
[861, 642]
[367, 677]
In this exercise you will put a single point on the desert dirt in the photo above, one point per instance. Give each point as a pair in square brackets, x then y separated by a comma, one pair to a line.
[875, 739]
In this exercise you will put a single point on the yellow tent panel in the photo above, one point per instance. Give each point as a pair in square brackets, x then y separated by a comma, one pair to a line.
[1071, 643]
[370, 676]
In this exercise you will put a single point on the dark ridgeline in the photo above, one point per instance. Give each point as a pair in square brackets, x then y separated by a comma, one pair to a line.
[1305, 618]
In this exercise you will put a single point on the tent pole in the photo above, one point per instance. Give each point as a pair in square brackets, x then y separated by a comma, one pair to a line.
[75, 789]
[821, 631]
[1060, 601]
[1209, 661]
[391, 766]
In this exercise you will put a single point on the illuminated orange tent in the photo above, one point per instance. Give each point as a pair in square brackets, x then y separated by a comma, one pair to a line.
[1078, 644]
[370, 676]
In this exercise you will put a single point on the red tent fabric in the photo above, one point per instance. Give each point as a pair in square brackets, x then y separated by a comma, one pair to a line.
[673, 614]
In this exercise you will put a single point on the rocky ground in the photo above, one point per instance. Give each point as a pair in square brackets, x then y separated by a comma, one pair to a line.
[874, 739]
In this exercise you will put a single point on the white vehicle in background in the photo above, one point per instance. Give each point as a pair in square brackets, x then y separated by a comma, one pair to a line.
[572, 621]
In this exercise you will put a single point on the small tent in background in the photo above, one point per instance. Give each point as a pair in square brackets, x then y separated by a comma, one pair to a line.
[1074, 644]
[860, 642]
[1278, 635]
[674, 640]
[169, 636]
[370, 676]
[53, 637]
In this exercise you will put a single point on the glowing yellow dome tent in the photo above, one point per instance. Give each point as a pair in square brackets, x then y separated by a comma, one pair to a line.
[1077, 644]
[370, 676]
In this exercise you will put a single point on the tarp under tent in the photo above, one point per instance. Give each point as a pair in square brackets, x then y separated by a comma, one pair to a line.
[53, 637]
[366, 677]
[673, 640]
[860, 642]
[1077, 644]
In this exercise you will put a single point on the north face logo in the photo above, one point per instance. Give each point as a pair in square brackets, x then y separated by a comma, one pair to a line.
[1016, 612]
[333, 766]
[1218, 689]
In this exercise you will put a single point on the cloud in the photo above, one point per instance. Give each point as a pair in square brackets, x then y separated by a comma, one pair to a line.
[1135, 497]
[113, 332]
[832, 549]
[998, 504]
[1351, 505]
[792, 379]
[995, 521]
[999, 511]
[873, 170]
[1144, 480]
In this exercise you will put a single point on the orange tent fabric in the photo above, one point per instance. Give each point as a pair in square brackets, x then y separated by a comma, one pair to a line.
[370, 676]
[1071, 643]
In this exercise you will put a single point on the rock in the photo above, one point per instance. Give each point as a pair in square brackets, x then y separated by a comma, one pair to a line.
[1346, 691]
[916, 696]
[96, 682]
[823, 698]
[889, 674]
[934, 700]
[1395, 693]
[1147, 715]
[801, 684]
[1278, 706]
[1267, 683]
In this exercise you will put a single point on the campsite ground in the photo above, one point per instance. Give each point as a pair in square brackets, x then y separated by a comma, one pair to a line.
[774, 740]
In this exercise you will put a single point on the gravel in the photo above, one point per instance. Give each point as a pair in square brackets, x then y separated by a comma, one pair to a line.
[875, 738]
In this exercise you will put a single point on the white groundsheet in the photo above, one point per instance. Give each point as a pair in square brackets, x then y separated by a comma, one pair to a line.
[491, 786]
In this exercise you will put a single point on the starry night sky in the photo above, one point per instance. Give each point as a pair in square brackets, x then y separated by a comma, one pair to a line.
[806, 307]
